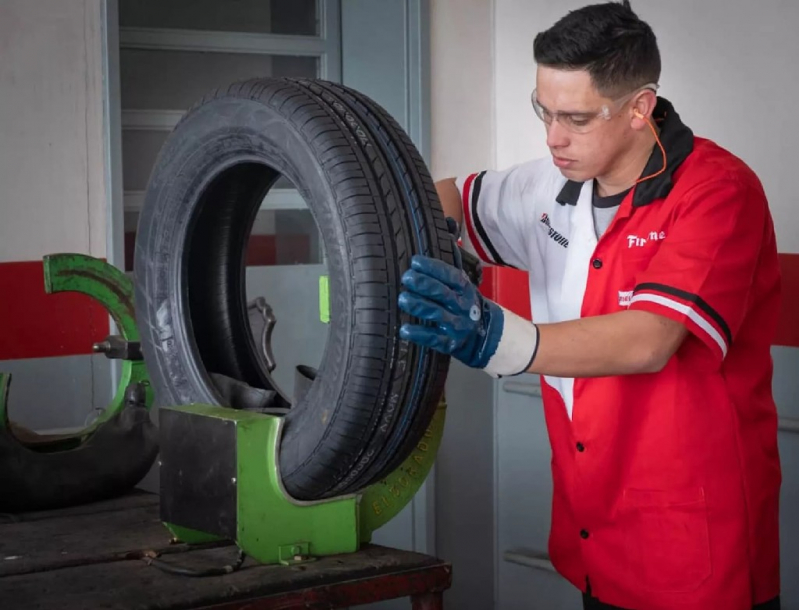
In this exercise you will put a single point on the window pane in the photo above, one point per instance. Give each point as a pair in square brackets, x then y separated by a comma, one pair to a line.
[175, 80]
[139, 150]
[284, 237]
[294, 17]
[283, 233]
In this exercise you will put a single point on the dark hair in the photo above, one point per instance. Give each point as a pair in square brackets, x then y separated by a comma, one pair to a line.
[618, 50]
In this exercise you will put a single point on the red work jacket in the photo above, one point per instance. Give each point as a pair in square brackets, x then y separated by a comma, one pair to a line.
[666, 485]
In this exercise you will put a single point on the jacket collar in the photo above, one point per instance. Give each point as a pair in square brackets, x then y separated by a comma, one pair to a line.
[677, 140]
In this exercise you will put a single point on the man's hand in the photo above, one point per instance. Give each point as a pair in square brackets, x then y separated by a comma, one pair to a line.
[461, 322]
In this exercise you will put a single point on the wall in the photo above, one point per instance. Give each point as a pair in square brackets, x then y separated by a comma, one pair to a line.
[462, 139]
[51, 120]
[52, 172]
[462, 74]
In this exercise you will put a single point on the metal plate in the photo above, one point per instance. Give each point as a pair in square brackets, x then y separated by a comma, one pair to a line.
[198, 472]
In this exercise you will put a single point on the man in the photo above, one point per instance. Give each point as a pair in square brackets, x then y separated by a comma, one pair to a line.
[654, 285]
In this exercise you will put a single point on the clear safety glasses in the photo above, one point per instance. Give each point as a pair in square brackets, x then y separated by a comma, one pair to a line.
[583, 122]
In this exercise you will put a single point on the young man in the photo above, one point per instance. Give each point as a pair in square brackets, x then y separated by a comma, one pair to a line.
[654, 285]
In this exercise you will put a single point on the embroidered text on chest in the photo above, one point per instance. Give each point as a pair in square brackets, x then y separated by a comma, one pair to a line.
[633, 241]
[553, 234]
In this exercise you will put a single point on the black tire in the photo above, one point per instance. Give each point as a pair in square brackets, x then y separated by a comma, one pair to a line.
[375, 205]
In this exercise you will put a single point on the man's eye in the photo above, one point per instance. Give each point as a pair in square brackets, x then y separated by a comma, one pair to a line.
[579, 120]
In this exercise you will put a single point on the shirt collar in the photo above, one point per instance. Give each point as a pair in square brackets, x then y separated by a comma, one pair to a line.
[677, 140]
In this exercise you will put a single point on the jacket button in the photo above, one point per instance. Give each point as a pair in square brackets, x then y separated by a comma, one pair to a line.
[596, 263]
[580, 447]
[584, 534]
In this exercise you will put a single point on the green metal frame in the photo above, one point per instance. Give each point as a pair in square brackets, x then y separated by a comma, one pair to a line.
[271, 526]
[274, 528]
[113, 290]
[382, 501]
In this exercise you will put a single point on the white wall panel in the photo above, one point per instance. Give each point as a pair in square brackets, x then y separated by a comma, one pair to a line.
[52, 197]
[461, 43]
[728, 67]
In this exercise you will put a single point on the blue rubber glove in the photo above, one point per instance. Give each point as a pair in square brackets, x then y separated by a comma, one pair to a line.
[461, 322]
[464, 325]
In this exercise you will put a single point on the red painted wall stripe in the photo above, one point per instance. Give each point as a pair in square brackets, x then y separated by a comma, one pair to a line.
[262, 250]
[40, 325]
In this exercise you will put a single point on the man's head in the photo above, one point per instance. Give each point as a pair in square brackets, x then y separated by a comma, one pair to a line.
[594, 69]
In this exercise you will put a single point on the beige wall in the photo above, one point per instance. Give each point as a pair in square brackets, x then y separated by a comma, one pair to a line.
[461, 43]
[728, 67]
[52, 184]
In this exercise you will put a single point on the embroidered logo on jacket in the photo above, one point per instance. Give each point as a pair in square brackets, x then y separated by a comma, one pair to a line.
[553, 234]
[633, 241]
[625, 298]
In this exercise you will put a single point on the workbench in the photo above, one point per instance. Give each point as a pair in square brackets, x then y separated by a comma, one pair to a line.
[95, 556]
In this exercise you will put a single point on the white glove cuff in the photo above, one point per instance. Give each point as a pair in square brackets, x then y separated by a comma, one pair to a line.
[517, 347]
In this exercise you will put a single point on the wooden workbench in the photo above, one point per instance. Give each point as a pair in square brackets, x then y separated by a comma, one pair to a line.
[91, 557]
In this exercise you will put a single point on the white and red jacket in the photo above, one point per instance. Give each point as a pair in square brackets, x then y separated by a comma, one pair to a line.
[666, 485]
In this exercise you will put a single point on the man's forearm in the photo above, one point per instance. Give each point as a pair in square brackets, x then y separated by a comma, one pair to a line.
[482, 334]
[450, 198]
[623, 343]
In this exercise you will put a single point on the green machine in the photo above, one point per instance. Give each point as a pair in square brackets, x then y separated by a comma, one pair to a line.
[111, 455]
[220, 480]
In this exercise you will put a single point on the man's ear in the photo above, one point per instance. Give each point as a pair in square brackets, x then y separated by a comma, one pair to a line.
[644, 104]
[643, 108]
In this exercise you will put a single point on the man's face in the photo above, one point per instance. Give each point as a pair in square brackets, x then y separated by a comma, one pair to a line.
[581, 156]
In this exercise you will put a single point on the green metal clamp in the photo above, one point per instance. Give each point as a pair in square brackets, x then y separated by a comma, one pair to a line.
[113, 290]
[110, 287]
[269, 525]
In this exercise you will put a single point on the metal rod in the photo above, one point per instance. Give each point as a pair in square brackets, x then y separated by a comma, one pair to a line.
[537, 561]
[520, 387]
[225, 42]
[788, 424]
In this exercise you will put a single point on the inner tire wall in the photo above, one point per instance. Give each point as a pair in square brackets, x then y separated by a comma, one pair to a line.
[376, 206]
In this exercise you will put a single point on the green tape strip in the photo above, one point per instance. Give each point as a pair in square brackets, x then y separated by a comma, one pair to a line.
[324, 299]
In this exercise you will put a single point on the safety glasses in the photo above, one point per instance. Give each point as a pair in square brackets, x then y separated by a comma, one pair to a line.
[583, 122]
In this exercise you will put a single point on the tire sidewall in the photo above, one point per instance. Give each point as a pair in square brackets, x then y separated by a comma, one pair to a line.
[217, 136]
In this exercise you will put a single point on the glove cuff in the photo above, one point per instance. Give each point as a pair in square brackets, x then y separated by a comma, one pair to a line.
[517, 346]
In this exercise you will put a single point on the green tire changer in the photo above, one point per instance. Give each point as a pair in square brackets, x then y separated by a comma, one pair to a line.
[220, 479]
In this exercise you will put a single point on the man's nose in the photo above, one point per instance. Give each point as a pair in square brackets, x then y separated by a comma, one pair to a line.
[557, 135]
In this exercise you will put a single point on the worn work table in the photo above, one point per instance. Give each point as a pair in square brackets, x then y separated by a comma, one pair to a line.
[90, 557]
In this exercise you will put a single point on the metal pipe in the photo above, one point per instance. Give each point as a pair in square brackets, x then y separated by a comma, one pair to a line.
[535, 560]
[788, 424]
[519, 387]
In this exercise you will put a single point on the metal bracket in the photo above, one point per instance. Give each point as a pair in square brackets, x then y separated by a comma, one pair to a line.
[293, 554]
[117, 348]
